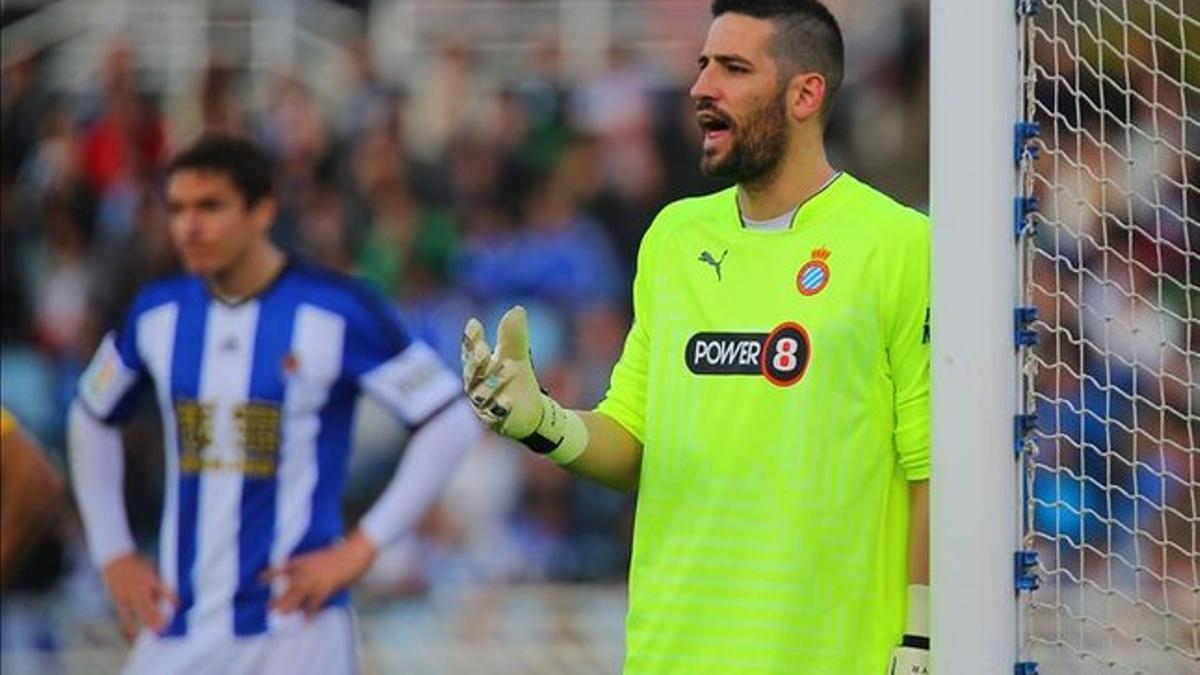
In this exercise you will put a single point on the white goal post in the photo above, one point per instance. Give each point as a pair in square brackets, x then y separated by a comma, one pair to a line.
[1066, 322]
[974, 511]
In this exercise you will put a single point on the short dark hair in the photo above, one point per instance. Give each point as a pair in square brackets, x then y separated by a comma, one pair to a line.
[246, 165]
[807, 38]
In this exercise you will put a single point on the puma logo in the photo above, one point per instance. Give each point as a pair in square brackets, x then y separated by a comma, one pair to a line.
[706, 257]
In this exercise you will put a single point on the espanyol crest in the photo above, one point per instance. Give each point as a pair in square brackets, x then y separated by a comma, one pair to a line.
[813, 276]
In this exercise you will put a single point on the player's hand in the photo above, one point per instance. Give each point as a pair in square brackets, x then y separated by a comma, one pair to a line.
[500, 384]
[138, 594]
[909, 661]
[313, 577]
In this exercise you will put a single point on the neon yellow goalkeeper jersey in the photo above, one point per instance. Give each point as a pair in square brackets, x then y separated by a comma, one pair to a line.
[779, 383]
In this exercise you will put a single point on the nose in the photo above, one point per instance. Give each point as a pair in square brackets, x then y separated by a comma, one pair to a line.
[703, 88]
[186, 224]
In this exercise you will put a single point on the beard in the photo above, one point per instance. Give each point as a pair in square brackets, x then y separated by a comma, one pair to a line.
[757, 146]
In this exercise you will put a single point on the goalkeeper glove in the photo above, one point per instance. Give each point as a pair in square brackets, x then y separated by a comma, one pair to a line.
[504, 392]
[912, 656]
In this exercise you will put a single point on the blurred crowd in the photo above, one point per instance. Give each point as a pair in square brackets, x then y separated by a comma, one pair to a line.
[452, 193]
[1115, 276]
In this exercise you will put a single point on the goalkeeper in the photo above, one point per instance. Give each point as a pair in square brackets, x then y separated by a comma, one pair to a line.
[771, 404]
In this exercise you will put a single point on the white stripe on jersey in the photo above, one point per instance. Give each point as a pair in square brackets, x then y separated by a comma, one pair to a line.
[413, 384]
[155, 339]
[225, 384]
[317, 345]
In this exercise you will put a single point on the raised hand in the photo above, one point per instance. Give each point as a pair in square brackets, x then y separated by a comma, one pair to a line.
[501, 384]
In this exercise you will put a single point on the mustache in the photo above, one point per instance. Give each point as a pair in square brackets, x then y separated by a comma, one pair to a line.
[708, 112]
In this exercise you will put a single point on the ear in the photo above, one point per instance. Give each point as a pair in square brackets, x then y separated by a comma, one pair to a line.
[806, 96]
[262, 214]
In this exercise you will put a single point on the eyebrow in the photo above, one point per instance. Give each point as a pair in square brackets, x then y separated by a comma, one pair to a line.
[725, 60]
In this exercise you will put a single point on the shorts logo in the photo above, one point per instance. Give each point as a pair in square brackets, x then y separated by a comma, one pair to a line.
[813, 276]
[781, 356]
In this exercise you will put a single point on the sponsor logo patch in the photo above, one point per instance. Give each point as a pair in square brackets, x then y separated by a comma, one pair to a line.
[780, 356]
[103, 376]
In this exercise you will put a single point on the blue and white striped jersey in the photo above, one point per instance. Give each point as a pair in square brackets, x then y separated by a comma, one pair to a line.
[257, 401]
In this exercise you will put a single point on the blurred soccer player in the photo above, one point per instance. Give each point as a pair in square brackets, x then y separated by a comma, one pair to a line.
[31, 495]
[771, 405]
[256, 361]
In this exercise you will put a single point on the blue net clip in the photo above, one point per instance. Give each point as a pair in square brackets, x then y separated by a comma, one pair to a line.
[1023, 207]
[1028, 7]
[1023, 334]
[1023, 133]
[1023, 425]
[1024, 578]
[1025, 668]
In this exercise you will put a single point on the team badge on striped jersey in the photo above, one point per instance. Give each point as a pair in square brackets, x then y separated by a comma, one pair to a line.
[813, 276]
[290, 365]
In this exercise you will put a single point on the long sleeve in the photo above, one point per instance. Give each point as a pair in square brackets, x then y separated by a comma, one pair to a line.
[97, 472]
[909, 347]
[432, 455]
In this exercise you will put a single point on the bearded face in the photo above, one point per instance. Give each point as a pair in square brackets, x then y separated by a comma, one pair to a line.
[744, 148]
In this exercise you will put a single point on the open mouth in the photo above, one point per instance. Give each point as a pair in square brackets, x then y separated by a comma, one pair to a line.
[713, 125]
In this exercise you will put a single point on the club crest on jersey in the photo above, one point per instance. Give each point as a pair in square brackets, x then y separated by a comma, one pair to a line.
[290, 365]
[813, 276]
[780, 356]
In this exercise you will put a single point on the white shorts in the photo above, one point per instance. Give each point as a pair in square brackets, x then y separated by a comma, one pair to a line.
[327, 645]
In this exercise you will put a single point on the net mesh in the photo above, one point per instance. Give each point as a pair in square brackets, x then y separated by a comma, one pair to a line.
[1112, 264]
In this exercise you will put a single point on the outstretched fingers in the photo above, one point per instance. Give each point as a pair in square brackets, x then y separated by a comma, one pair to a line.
[476, 354]
[486, 395]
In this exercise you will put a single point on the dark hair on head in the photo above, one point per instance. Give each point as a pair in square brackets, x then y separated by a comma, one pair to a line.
[246, 165]
[807, 38]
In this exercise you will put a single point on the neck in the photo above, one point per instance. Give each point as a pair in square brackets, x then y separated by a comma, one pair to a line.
[798, 177]
[249, 275]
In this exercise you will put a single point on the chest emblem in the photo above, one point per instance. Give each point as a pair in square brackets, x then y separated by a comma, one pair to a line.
[290, 365]
[813, 276]
[708, 259]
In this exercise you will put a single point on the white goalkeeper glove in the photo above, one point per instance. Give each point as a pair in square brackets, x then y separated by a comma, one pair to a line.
[912, 656]
[505, 395]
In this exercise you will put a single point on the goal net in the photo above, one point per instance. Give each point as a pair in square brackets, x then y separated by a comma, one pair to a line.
[1109, 224]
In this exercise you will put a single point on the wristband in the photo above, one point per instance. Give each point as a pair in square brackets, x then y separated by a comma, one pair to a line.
[560, 435]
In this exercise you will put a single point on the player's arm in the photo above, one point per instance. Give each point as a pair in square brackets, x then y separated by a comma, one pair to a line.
[430, 457]
[97, 473]
[918, 532]
[908, 361]
[613, 456]
[504, 393]
[912, 656]
[107, 391]
[408, 379]
[31, 493]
